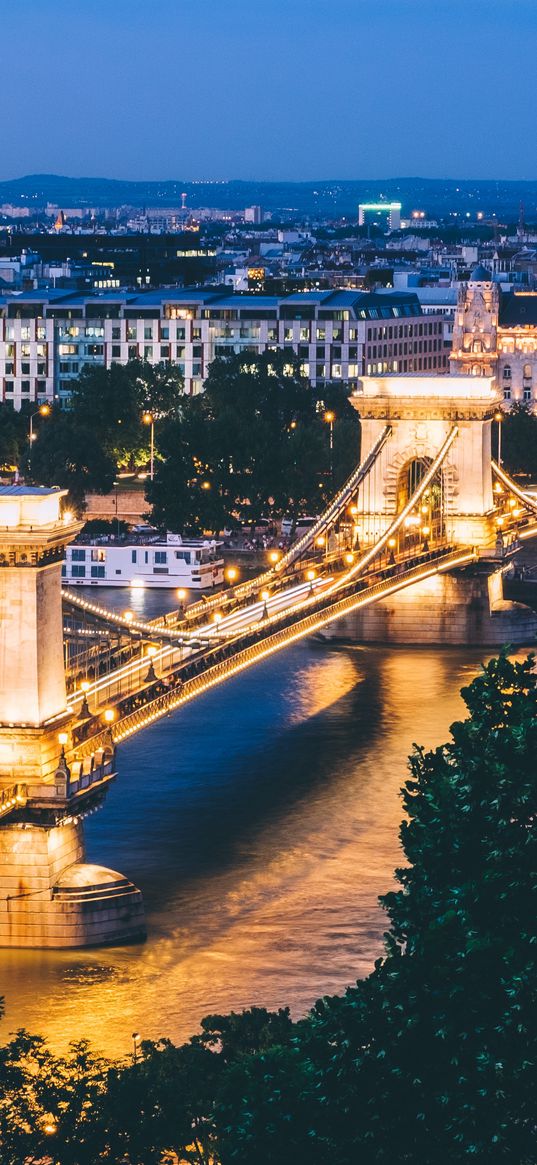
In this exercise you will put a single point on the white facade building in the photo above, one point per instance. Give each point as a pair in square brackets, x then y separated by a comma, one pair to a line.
[46, 338]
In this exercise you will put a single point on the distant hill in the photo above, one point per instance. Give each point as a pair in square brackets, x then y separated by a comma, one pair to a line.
[435, 196]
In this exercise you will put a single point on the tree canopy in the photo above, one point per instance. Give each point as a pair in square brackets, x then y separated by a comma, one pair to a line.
[71, 455]
[254, 443]
[519, 440]
[111, 402]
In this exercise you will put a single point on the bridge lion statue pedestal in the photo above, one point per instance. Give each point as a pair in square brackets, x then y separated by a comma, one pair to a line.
[464, 607]
[49, 895]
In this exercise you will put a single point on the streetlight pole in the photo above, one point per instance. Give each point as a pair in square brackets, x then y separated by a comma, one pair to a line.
[149, 419]
[42, 411]
[330, 418]
[499, 417]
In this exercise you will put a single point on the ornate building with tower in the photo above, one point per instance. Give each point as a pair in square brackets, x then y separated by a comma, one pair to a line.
[495, 334]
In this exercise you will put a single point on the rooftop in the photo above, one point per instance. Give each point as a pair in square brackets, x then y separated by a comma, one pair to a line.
[518, 310]
[24, 491]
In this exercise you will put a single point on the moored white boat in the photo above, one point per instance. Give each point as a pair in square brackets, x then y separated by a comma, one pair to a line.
[189, 563]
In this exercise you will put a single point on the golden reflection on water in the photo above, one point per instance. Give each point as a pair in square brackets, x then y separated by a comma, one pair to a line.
[290, 912]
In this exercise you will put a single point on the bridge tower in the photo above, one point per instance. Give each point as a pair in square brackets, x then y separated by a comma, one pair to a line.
[422, 411]
[49, 896]
[462, 607]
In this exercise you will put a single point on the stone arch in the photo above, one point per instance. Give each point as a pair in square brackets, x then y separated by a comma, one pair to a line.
[403, 457]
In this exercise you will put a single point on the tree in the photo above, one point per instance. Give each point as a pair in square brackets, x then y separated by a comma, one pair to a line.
[519, 440]
[50, 1106]
[253, 444]
[164, 1102]
[111, 402]
[14, 442]
[431, 1059]
[71, 455]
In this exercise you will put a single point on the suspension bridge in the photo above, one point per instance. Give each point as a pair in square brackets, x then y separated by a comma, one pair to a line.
[427, 500]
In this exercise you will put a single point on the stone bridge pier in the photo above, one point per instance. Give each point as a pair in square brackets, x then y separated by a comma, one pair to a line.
[49, 895]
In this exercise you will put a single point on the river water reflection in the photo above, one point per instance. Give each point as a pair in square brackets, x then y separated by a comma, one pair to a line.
[261, 823]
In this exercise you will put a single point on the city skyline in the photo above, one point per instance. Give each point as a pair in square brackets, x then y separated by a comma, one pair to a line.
[305, 91]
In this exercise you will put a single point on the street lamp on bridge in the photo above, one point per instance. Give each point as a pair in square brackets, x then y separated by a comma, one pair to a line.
[498, 416]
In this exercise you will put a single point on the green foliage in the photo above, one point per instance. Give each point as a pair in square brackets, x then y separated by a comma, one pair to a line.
[71, 455]
[94, 527]
[111, 403]
[14, 442]
[253, 444]
[50, 1106]
[163, 1102]
[519, 440]
[432, 1059]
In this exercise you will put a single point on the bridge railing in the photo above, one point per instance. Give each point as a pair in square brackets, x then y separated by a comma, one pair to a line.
[336, 506]
[393, 528]
[271, 635]
[522, 495]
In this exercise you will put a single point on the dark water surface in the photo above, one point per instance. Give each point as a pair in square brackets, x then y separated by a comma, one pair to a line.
[261, 823]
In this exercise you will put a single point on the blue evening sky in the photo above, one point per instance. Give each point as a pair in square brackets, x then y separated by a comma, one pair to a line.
[269, 89]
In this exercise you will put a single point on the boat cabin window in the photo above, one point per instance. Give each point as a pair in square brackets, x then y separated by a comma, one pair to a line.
[161, 556]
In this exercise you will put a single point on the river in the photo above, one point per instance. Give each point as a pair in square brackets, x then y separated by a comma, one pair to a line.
[261, 822]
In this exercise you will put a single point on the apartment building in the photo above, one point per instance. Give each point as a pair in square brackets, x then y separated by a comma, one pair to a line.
[47, 337]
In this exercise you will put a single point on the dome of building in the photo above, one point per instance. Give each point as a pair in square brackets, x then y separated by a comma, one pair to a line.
[84, 874]
[480, 275]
